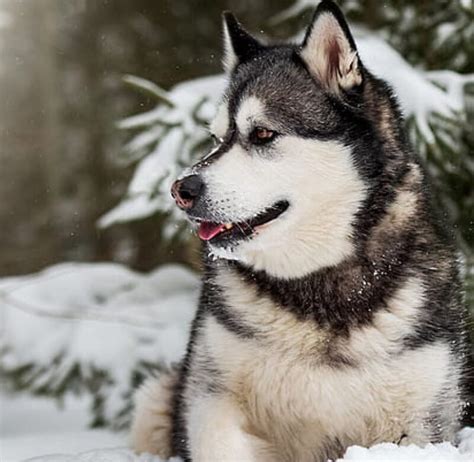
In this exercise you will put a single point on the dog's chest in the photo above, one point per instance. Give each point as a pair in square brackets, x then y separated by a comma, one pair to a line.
[288, 383]
[289, 396]
[288, 372]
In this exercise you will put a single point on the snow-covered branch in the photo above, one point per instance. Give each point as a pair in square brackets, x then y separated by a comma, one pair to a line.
[96, 325]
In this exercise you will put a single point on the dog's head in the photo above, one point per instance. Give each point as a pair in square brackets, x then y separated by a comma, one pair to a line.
[291, 164]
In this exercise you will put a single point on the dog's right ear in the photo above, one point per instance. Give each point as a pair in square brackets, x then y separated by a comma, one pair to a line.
[239, 45]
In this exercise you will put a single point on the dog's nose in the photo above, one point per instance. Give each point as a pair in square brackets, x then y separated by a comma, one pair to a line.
[186, 191]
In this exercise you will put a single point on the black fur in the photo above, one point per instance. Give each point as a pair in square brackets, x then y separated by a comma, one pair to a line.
[244, 45]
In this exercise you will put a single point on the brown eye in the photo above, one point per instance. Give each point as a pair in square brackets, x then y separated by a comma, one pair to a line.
[261, 135]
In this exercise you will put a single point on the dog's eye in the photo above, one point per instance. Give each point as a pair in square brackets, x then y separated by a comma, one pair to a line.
[261, 135]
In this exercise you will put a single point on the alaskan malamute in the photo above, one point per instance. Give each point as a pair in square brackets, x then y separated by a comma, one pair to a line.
[331, 310]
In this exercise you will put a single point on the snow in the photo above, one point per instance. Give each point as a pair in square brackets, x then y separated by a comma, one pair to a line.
[95, 317]
[419, 97]
[389, 452]
[50, 445]
[173, 130]
[104, 455]
[452, 82]
[381, 453]
[32, 427]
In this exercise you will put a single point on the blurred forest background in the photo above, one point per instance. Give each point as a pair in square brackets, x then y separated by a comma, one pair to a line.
[86, 158]
[61, 69]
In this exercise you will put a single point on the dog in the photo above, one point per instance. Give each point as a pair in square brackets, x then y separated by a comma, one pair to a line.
[331, 311]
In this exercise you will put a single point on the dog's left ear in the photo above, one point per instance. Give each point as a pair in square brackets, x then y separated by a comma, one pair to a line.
[239, 45]
[329, 50]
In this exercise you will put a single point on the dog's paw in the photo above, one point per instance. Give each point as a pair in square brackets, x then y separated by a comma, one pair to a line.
[152, 422]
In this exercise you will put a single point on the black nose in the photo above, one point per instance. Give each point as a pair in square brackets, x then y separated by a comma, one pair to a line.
[186, 191]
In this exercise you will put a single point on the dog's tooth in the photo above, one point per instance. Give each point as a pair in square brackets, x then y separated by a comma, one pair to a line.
[228, 226]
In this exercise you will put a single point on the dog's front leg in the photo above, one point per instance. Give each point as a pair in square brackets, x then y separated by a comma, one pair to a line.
[217, 433]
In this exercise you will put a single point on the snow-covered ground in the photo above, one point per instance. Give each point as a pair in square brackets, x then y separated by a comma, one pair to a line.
[35, 429]
[31, 427]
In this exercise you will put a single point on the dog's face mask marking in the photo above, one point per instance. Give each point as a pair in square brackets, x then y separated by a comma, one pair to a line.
[280, 190]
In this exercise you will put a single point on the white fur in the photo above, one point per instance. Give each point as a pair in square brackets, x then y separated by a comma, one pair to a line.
[384, 336]
[316, 177]
[216, 427]
[151, 426]
[230, 59]
[251, 113]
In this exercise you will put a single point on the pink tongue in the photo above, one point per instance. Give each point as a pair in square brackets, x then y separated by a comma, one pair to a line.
[208, 230]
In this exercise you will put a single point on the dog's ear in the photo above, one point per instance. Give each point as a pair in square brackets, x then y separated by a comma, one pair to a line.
[329, 50]
[239, 45]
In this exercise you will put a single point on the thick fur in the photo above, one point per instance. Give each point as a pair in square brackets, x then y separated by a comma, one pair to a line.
[340, 322]
[152, 424]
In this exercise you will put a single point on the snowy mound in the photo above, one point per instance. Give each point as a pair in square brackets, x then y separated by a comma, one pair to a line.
[386, 452]
[103, 314]
[443, 452]
[75, 322]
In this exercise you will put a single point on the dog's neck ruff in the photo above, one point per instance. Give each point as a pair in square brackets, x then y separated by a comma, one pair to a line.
[357, 286]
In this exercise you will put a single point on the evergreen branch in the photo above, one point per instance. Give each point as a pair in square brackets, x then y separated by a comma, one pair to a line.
[91, 315]
[149, 87]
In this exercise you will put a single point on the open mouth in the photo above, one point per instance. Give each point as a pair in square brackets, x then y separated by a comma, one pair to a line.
[211, 231]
